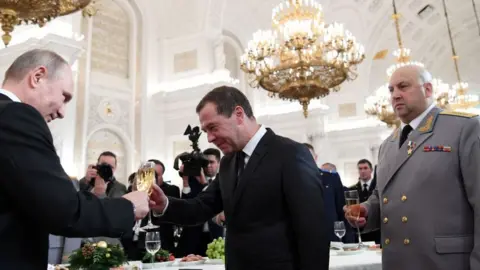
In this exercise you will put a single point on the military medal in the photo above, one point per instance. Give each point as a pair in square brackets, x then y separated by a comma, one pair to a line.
[437, 148]
[410, 147]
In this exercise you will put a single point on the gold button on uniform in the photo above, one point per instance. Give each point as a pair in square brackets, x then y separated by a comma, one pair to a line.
[385, 220]
[404, 198]
[404, 219]
[406, 241]
[385, 200]
[387, 241]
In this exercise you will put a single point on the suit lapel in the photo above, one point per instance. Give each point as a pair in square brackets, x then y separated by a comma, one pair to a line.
[229, 184]
[253, 162]
[414, 141]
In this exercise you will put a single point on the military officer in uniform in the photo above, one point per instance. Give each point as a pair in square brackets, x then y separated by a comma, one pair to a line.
[427, 199]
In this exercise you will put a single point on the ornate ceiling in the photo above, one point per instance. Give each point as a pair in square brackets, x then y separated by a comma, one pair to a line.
[370, 21]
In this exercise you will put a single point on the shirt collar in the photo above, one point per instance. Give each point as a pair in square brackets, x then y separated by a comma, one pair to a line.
[252, 144]
[416, 122]
[368, 183]
[10, 95]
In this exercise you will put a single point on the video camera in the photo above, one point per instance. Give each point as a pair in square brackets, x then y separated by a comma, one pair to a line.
[105, 171]
[192, 162]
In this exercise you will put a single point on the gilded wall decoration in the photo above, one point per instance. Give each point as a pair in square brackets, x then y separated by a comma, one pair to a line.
[118, 116]
[111, 40]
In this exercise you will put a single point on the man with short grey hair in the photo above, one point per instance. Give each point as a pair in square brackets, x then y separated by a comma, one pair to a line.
[37, 198]
[427, 197]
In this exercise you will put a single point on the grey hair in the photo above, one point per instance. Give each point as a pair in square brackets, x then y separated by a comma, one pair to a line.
[424, 76]
[32, 59]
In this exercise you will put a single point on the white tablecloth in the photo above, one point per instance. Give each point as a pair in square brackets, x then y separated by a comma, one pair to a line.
[367, 260]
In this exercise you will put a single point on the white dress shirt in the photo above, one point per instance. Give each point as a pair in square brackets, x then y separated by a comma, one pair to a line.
[369, 182]
[10, 95]
[252, 144]
[248, 150]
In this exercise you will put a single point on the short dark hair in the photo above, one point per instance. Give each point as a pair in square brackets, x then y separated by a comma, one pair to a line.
[365, 161]
[131, 178]
[213, 152]
[107, 154]
[309, 146]
[33, 59]
[226, 98]
[157, 162]
[331, 165]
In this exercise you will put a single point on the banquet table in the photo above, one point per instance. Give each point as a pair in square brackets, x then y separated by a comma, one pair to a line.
[367, 260]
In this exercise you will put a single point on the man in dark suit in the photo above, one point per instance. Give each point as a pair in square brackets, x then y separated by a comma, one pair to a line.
[195, 239]
[365, 186]
[268, 186]
[37, 197]
[166, 230]
[334, 200]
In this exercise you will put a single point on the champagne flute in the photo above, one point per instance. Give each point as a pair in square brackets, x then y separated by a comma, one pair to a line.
[144, 182]
[152, 243]
[339, 229]
[352, 198]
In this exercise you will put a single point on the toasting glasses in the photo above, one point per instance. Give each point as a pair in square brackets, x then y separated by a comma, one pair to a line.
[144, 182]
[352, 198]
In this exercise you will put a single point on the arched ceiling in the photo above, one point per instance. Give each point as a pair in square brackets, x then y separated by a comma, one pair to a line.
[425, 33]
[370, 21]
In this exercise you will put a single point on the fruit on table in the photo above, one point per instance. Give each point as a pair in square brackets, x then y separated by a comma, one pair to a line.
[216, 249]
[164, 256]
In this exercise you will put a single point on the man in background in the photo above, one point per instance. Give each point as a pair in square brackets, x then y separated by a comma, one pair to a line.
[334, 200]
[365, 186]
[167, 231]
[194, 239]
[94, 182]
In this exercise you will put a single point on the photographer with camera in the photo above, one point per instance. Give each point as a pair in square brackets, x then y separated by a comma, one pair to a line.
[100, 180]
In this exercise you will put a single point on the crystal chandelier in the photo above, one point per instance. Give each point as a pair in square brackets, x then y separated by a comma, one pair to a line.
[458, 99]
[379, 105]
[16, 12]
[302, 58]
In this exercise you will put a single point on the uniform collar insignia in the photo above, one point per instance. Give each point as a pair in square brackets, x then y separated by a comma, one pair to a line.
[429, 121]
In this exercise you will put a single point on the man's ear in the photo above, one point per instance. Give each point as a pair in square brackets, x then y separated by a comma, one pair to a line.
[36, 76]
[428, 89]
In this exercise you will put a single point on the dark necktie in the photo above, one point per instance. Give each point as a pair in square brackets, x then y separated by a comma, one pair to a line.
[365, 187]
[405, 131]
[240, 165]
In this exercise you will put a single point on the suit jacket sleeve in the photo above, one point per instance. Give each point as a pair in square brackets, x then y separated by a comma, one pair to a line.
[469, 152]
[176, 191]
[194, 211]
[304, 199]
[39, 188]
[339, 203]
[373, 208]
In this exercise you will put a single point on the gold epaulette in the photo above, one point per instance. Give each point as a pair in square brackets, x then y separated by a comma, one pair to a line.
[459, 114]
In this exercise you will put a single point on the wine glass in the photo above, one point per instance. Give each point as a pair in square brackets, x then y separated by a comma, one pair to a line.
[339, 229]
[352, 198]
[144, 182]
[152, 243]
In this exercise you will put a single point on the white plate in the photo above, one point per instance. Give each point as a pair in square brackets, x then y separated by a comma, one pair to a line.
[214, 261]
[180, 263]
[349, 252]
[148, 266]
[163, 264]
